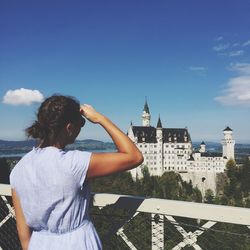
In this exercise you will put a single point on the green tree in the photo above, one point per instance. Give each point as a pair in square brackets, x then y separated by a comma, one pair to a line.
[209, 196]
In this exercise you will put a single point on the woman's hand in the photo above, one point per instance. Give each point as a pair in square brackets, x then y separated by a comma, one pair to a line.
[90, 113]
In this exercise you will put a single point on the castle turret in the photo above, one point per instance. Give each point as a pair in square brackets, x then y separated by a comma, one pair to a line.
[159, 138]
[228, 143]
[202, 147]
[159, 130]
[146, 116]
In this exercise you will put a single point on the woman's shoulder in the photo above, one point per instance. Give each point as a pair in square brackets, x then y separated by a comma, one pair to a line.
[19, 166]
[75, 155]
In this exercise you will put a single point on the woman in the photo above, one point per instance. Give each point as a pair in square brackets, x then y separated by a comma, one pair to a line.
[50, 186]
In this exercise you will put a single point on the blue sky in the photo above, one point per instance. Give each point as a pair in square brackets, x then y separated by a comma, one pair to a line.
[190, 58]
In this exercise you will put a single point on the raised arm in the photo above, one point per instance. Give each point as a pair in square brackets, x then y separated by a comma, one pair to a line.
[127, 157]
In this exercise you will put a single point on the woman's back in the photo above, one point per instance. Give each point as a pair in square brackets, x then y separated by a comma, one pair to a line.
[51, 185]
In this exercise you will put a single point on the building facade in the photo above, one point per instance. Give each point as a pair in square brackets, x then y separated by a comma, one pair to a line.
[171, 149]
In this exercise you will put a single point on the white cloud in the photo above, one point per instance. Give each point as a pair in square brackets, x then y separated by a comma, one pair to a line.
[247, 43]
[219, 38]
[197, 68]
[235, 45]
[242, 68]
[221, 47]
[22, 97]
[236, 53]
[237, 92]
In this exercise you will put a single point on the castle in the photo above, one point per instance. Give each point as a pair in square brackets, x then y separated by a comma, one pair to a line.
[171, 149]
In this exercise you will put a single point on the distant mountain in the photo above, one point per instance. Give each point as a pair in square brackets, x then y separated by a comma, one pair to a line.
[22, 147]
[210, 146]
[13, 144]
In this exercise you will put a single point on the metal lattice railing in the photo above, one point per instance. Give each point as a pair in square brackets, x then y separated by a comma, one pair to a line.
[127, 222]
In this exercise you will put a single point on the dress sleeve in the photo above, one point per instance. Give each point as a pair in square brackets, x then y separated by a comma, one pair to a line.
[12, 178]
[80, 165]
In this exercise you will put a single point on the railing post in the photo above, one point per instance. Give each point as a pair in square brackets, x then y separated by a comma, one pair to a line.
[157, 222]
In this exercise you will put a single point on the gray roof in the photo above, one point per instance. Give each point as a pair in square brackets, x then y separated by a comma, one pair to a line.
[211, 154]
[227, 129]
[177, 135]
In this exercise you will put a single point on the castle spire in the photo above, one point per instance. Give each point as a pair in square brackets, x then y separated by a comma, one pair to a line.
[146, 108]
[146, 115]
[159, 125]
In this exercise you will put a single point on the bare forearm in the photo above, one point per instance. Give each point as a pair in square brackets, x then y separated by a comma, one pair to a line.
[122, 142]
[25, 244]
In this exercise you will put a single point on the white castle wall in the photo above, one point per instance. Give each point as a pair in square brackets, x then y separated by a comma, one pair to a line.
[196, 178]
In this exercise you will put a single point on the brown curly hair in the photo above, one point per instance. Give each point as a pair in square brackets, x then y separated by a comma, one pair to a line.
[54, 114]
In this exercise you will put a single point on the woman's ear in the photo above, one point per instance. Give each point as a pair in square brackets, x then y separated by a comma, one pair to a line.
[69, 129]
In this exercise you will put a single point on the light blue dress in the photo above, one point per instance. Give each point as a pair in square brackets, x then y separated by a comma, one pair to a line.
[54, 194]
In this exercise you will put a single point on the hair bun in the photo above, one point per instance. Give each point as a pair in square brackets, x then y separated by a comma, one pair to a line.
[36, 130]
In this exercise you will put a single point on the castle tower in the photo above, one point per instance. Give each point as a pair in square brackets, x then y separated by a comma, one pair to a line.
[228, 143]
[146, 116]
[159, 130]
[159, 138]
[202, 147]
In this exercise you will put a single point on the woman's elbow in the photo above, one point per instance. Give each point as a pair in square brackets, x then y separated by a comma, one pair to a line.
[138, 159]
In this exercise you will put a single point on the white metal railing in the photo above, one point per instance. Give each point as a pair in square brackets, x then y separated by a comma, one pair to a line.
[164, 209]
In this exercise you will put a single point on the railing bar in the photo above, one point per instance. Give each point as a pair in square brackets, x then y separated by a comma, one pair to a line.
[124, 236]
[190, 225]
[181, 230]
[5, 219]
[12, 211]
[126, 240]
[211, 229]
[210, 212]
[196, 247]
